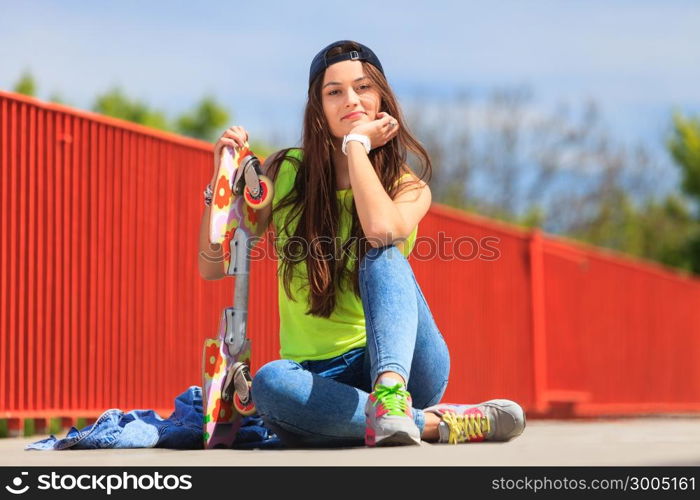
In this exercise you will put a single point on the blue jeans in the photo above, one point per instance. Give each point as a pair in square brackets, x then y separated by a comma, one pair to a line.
[321, 403]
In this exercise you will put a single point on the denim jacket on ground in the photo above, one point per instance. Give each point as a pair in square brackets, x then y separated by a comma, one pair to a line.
[146, 429]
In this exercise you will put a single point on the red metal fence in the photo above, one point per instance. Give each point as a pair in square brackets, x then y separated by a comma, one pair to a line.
[102, 306]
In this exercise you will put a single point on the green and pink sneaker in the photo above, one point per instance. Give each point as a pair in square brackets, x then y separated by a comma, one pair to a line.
[494, 420]
[389, 417]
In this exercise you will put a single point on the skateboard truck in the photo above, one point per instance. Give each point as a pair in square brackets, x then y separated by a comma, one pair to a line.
[250, 182]
[237, 387]
[250, 177]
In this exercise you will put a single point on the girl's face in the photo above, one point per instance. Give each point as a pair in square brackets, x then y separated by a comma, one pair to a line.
[348, 97]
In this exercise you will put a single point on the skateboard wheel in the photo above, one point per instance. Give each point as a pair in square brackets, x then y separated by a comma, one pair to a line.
[264, 197]
[244, 409]
[242, 394]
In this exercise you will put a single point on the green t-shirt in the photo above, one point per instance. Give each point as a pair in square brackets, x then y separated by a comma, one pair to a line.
[304, 336]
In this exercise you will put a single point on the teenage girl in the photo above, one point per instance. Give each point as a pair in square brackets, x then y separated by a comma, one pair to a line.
[361, 356]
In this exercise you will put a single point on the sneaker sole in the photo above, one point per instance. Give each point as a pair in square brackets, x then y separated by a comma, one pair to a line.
[397, 439]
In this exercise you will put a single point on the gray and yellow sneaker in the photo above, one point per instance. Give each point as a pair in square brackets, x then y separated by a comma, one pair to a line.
[494, 420]
[389, 417]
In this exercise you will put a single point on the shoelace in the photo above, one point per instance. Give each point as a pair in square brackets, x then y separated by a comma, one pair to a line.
[465, 427]
[393, 398]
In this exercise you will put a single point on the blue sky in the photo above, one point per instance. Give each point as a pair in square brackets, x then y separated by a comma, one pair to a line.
[639, 59]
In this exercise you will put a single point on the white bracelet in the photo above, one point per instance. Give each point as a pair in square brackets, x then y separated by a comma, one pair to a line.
[356, 137]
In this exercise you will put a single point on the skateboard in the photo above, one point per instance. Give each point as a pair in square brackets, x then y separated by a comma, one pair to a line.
[240, 190]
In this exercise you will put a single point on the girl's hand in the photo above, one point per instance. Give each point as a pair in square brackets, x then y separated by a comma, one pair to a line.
[379, 131]
[235, 137]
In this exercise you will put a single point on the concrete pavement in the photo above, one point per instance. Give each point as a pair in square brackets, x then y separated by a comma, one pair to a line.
[623, 442]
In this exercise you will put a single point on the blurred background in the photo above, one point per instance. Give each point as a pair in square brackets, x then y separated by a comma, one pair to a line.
[568, 130]
[576, 117]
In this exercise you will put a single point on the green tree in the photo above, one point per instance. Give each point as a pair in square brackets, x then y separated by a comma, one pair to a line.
[26, 84]
[659, 230]
[57, 98]
[684, 146]
[115, 103]
[205, 122]
[669, 232]
[533, 217]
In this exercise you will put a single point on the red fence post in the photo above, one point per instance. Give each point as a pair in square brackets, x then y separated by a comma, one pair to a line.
[539, 331]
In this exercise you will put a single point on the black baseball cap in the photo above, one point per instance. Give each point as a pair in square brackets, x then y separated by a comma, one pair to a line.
[321, 62]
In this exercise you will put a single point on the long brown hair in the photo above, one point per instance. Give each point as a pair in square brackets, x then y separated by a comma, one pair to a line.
[314, 201]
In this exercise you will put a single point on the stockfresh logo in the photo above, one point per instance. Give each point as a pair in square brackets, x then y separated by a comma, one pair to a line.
[17, 488]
